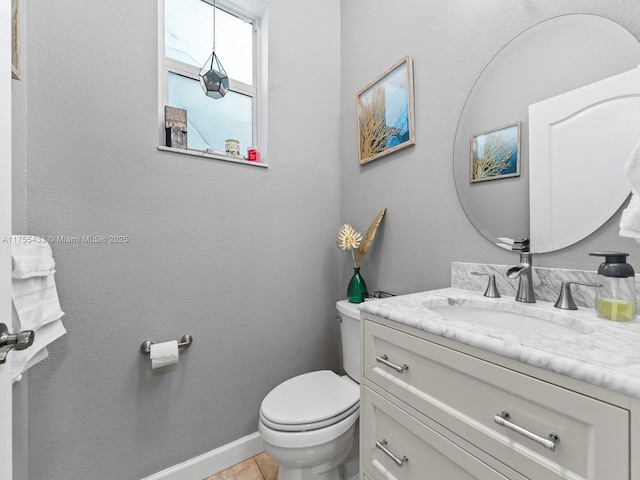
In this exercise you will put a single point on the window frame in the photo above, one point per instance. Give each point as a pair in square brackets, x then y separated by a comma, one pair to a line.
[168, 65]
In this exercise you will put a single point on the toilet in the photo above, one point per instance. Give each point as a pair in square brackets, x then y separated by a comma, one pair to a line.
[309, 423]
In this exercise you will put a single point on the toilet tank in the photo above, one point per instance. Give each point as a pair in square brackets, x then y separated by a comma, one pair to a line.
[349, 316]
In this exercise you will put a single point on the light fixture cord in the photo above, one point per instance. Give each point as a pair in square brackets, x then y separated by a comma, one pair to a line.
[214, 25]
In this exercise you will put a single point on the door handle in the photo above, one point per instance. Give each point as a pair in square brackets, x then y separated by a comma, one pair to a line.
[16, 341]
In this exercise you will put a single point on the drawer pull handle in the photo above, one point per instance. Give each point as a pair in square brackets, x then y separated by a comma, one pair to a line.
[385, 360]
[382, 445]
[503, 420]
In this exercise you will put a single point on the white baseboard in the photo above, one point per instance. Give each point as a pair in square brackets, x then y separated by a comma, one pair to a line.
[215, 461]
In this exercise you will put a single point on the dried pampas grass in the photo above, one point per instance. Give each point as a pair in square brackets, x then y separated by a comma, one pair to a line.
[368, 239]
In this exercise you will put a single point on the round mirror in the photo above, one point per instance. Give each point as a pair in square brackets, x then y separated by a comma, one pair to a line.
[553, 57]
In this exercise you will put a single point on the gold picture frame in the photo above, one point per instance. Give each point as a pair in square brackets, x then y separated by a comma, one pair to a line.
[495, 153]
[385, 113]
[15, 39]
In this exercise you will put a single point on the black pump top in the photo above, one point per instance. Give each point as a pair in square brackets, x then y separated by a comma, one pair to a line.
[615, 264]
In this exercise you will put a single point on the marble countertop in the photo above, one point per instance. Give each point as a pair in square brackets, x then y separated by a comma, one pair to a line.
[596, 351]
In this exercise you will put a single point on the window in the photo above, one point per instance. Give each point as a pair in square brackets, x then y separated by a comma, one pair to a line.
[186, 46]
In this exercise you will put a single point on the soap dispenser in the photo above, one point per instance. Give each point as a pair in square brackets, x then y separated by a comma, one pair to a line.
[616, 298]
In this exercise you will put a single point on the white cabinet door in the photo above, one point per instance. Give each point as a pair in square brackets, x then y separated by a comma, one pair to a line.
[5, 230]
[585, 135]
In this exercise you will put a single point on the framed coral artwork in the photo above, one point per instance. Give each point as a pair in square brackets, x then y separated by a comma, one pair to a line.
[15, 46]
[385, 113]
[495, 154]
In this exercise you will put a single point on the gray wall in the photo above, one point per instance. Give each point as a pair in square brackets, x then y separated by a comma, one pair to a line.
[227, 252]
[242, 258]
[450, 42]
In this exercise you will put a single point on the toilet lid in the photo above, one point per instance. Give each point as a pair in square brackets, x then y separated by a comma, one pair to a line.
[310, 401]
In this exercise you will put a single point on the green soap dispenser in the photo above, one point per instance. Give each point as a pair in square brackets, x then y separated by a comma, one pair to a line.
[616, 298]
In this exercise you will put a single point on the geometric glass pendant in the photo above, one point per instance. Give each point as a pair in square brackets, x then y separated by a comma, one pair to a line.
[213, 78]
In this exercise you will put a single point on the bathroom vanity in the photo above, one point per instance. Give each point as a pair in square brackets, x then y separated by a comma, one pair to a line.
[446, 398]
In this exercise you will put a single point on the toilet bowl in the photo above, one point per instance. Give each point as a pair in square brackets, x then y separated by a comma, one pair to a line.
[308, 423]
[310, 443]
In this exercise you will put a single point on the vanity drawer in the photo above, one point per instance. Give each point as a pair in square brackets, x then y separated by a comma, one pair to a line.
[423, 452]
[466, 395]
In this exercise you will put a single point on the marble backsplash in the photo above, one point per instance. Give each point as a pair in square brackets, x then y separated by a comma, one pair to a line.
[546, 281]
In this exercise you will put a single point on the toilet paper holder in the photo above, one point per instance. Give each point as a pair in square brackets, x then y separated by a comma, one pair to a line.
[184, 342]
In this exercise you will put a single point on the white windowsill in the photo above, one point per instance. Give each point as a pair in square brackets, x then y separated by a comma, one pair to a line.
[214, 156]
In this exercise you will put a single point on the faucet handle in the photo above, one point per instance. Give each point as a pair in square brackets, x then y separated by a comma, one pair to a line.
[565, 299]
[492, 289]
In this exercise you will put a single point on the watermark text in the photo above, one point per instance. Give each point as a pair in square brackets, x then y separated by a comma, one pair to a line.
[77, 239]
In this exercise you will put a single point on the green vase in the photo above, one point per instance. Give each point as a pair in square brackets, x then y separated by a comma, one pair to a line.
[357, 289]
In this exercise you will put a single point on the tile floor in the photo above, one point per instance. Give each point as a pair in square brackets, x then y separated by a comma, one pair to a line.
[260, 467]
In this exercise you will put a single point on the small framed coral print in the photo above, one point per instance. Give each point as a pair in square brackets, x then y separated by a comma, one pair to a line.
[385, 113]
[495, 154]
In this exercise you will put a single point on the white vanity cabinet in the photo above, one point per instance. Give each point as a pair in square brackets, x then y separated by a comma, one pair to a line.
[433, 408]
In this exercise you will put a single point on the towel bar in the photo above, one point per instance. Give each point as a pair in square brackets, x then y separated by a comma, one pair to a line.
[185, 341]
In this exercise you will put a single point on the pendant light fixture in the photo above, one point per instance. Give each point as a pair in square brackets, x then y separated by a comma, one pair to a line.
[213, 78]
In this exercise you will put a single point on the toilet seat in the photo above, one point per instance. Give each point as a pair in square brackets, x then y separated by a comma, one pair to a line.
[310, 401]
[309, 439]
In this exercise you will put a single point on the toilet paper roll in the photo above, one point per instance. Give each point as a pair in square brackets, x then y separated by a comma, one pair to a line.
[163, 354]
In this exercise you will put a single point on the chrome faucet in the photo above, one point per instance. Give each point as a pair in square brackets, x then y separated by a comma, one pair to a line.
[523, 273]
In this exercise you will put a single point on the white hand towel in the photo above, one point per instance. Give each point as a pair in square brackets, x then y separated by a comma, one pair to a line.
[31, 257]
[630, 220]
[35, 301]
[24, 359]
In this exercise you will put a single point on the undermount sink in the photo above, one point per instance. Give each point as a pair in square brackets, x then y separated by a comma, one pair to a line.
[490, 315]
